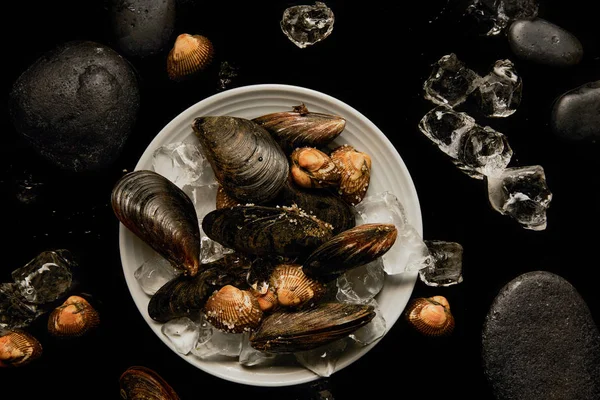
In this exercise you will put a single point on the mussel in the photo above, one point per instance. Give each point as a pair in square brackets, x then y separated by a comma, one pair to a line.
[355, 170]
[350, 249]
[141, 383]
[184, 295]
[75, 317]
[162, 215]
[312, 168]
[233, 310]
[300, 127]
[246, 160]
[262, 230]
[18, 348]
[291, 331]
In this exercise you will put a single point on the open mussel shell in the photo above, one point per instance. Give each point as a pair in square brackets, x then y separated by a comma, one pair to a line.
[162, 215]
[246, 160]
[233, 310]
[184, 296]
[355, 170]
[293, 288]
[189, 55]
[18, 348]
[287, 331]
[312, 168]
[261, 230]
[430, 316]
[300, 128]
[350, 249]
[141, 383]
[75, 317]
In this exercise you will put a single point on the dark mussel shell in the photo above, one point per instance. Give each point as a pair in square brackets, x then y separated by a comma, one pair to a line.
[323, 204]
[300, 128]
[292, 331]
[162, 215]
[246, 160]
[350, 249]
[185, 295]
[141, 383]
[261, 230]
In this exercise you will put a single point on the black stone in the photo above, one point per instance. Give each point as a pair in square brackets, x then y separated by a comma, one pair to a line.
[143, 27]
[576, 113]
[76, 105]
[539, 341]
[543, 42]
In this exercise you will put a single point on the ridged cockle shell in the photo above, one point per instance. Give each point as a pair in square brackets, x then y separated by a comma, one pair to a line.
[430, 316]
[141, 383]
[190, 54]
[312, 168]
[74, 317]
[224, 200]
[293, 287]
[233, 310]
[18, 348]
[300, 128]
[355, 170]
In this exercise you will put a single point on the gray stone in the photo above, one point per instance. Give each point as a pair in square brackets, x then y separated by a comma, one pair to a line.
[543, 42]
[76, 105]
[539, 341]
[143, 27]
[576, 113]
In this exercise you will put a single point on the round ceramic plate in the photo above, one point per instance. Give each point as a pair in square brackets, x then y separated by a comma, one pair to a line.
[389, 173]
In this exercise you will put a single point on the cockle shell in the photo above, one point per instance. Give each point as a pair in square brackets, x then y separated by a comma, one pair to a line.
[287, 331]
[355, 170]
[141, 383]
[246, 160]
[224, 200]
[189, 55]
[74, 317]
[293, 288]
[350, 249]
[233, 310]
[300, 128]
[162, 215]
[267, 301]
[430, 316]
[261, 230]
[312, 168]
[18, 348]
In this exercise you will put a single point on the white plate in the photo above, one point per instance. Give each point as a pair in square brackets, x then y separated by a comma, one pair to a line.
[388, 173]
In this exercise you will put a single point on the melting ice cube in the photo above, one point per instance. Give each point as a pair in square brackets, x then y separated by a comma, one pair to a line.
[210, 250]
[446, 264]
[450, 81]
[154, 273]
[219, 344]
[14, 311]
[445, 127]
[183, 164]
[323, 360]
[483, 151]
[500, 91]
[204, 197]
[306, 25]
[521, 193]
[249, 356]
[372, 331]
[496, 14]
[182, 333]
[361, 284]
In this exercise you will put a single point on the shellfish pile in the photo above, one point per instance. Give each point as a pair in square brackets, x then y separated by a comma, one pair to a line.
[285, 209]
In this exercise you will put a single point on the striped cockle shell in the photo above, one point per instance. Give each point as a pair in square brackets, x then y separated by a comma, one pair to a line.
[430, 316]
[224, 200]
[312, 168]
[233, 310]
[142, 383]
[75, 317]
[293, 287]
[18, 348]
[355, 173]
[189, 55]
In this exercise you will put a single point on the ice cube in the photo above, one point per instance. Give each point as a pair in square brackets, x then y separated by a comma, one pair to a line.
[183, 164]
[46, 277]
[249, 356]
[15, 313]
[204, 197]
[154, 273]
[521, 193]
[306, 25]
[210, 250]
[450, 81]
[497, 14]
[372, 331]
[500, 91]
[220, 344]
[323, 360]
[361, 284]
[227, 73]
[182, 333]
[446, 264]
[445, 127]
[482, 152]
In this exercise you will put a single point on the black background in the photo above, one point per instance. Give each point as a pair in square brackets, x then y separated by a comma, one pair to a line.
[376, 60]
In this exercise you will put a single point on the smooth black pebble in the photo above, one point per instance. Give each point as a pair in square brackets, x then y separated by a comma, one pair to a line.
[576, 113]
[543, 42]
[76, 105]
[539, 341]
